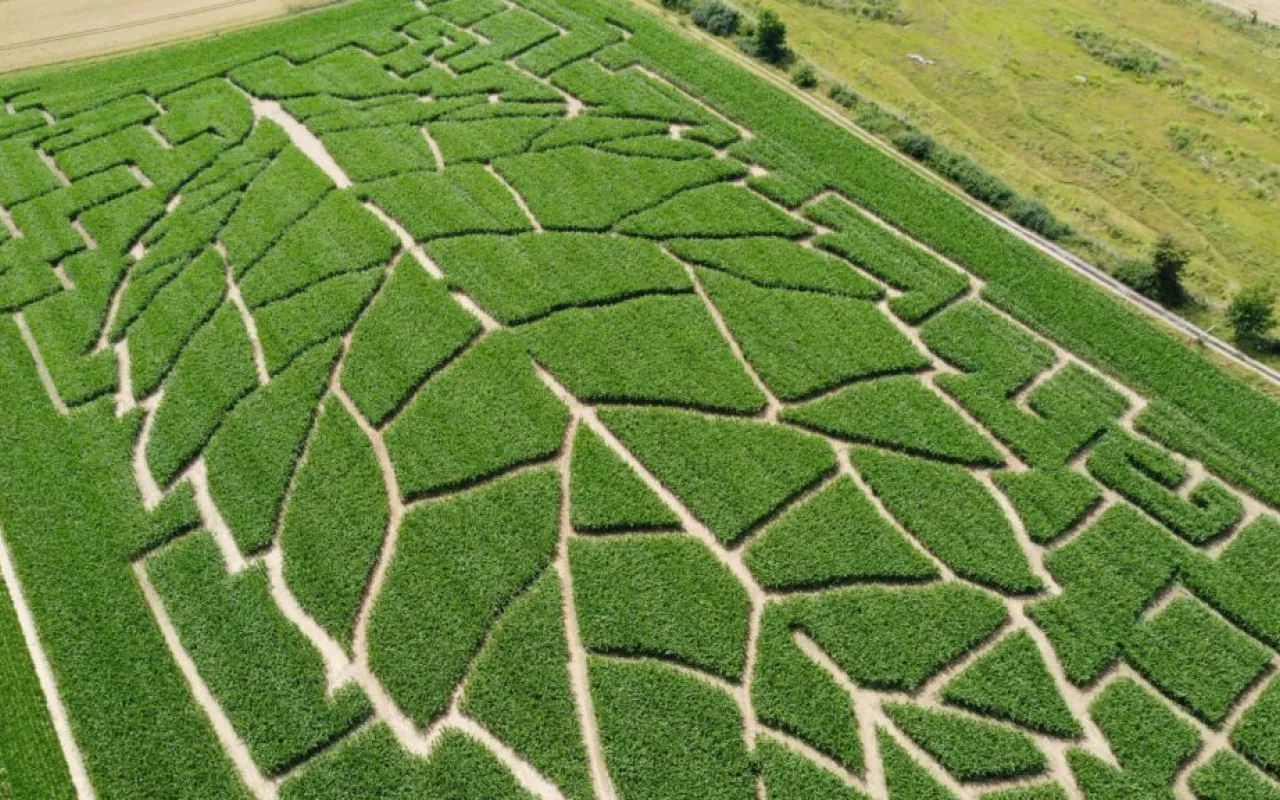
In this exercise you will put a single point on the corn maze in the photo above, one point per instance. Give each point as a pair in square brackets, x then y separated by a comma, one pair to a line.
[486, 399]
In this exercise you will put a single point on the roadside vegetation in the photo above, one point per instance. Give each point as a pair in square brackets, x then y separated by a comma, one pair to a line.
[1035, 112]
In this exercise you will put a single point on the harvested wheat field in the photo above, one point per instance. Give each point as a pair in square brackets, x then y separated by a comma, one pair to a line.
[488, 399]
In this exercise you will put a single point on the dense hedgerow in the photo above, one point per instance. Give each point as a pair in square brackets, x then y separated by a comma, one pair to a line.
[835, 537]
[1011, 682]
[267, 677]
[332, 527]
[777, 263]
[896, 639]
[486, 413]
[792, 693]
[967, 748]
[410, 329]
[1108, 575]
[252, 457]
[1049, 501]
[664, 596]
[790, 776]
[730, 473]
[720, 210]
[576, 188]
[464, 199]
[1195, 658]
[519, 688]
[521, 278]
[802, 343]
[646, 350]
[459, 564]
[927, 284]
[953, 514]
[606, 496]
[1148, 478]
[900, 414]
[371, 763]
[639, 705]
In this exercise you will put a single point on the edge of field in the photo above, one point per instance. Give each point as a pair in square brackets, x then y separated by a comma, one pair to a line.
[1220, 352]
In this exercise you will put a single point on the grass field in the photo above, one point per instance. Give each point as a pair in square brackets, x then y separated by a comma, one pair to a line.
[1192, 150]
[485, 399]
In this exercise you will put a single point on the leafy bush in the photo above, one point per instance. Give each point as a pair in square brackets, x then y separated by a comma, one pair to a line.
[915, 144]
[1132, 57]
[717, 18]
[1033, 215]
[683, 6]
[805, 76]
[1139, 276]
[771, 37]
[1252, 313]
[843, 95]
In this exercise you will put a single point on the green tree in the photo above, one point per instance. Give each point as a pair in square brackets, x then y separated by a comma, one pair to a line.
[771, 37]
[1252, 313]
[1169, 259]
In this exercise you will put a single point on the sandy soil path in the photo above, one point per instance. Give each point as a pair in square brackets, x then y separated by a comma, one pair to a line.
[38, 32]
[1268, 10]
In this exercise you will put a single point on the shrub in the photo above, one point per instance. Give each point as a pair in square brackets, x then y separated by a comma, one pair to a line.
[683, 6]
[1252, 313]
[973, 179]
[1169, 260]
[1033, 215]
[771, 37]
[1139, 276]
[717, 18]
[915, 144]
[805, 76]
[843, 95]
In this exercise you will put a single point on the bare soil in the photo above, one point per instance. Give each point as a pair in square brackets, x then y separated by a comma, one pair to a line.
[36, 32]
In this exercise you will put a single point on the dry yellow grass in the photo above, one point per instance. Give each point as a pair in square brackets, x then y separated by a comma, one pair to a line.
[34, 32]
[1268, 10]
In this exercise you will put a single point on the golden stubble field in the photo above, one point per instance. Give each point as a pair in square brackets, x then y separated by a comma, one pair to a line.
[34, 32]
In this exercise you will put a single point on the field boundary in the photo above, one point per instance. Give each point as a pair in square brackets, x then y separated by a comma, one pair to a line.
[1057, 253]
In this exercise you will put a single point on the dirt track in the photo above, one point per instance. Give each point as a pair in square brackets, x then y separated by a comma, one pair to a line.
[1268, 10]
[38, 32]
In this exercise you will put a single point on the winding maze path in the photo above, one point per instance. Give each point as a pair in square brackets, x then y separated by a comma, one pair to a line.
[511, 422]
